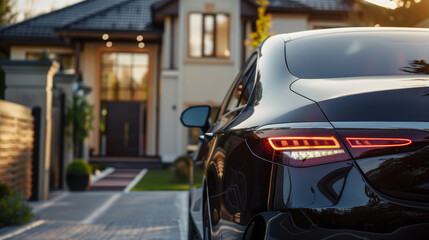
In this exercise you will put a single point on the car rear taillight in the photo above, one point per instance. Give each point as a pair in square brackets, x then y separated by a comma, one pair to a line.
[299, 148]
[294, 143]
[310, 147]
[377, 142]
[363, 142]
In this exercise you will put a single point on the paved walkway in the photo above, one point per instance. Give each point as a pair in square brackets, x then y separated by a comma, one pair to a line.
[108, 215]
[116, 181]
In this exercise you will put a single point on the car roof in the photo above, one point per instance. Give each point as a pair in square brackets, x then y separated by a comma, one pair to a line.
[333, 31]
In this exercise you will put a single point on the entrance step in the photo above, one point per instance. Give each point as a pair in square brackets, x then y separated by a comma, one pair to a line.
[118, 180]
[129, 162]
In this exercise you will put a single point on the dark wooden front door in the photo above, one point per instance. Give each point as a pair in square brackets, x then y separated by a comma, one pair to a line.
[124, 128]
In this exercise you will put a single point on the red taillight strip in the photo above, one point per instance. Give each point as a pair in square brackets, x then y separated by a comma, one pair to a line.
[292, 143]
[377, 142]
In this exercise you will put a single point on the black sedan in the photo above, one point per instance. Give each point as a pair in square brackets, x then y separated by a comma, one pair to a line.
[323, 135]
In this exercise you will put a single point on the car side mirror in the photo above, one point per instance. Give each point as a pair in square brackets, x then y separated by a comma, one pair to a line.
[197, 116]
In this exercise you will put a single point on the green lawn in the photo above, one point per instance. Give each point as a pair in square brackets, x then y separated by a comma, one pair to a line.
[99, 166]
[161, 179]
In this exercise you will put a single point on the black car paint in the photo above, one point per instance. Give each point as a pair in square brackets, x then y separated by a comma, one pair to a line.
[229, 192]
[247, 193]
[389, 98]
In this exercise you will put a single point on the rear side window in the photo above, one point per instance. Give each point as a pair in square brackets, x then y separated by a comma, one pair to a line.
[244, 85]
[359, 54]
[242, 91]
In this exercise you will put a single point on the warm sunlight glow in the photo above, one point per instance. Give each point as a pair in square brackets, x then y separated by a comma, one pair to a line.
[384, 3]
[408, 5]
[393, 4]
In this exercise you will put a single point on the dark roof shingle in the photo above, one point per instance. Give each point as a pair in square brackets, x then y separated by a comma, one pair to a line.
[133, 15]
[286, 4]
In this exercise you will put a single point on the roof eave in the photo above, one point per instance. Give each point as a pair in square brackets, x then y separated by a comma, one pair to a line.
[113, 34]
[7, 41]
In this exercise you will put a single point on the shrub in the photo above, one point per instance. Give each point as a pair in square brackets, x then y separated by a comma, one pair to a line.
[79, 166]
[13, 208]
[5, 190]
[79, 120]
[182, 167]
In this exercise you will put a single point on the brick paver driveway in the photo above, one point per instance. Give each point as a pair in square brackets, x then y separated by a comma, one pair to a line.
[108, 215]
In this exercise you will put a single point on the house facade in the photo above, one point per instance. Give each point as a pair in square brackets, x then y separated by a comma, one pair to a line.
[147, 60]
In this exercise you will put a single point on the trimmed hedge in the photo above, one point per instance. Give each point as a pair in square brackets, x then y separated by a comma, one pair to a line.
[79, 166]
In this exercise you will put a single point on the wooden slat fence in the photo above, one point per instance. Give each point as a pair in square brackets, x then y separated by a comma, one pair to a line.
[16, 146]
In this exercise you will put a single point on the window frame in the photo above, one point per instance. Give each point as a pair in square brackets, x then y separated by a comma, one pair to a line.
[203, 15]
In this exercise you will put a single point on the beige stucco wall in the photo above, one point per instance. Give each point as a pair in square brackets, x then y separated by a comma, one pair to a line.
[206, 80]
[327, 24]
[207, 83]
[287, 23]
[169, 116]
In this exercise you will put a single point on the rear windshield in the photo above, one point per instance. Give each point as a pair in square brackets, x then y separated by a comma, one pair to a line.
[359, 54]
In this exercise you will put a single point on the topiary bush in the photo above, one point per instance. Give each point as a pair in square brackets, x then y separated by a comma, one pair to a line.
[78, 175]
[79, 166]
[182, 168]
[13, 208]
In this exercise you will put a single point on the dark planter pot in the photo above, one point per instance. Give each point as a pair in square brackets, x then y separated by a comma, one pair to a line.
[77, 182]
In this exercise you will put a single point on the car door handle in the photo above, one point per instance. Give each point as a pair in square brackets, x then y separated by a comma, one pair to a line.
[206, 136]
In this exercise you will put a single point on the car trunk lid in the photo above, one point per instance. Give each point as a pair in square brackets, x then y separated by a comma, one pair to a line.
[384, 123]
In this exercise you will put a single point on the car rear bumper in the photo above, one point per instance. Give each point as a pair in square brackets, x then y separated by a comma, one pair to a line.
[340, 206]
[282, 226]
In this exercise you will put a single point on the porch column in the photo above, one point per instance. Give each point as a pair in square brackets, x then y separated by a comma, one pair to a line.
[30, 83]
[171, 140]
[67, 83]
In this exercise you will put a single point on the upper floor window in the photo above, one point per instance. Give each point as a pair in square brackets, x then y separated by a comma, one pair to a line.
[208, 35]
